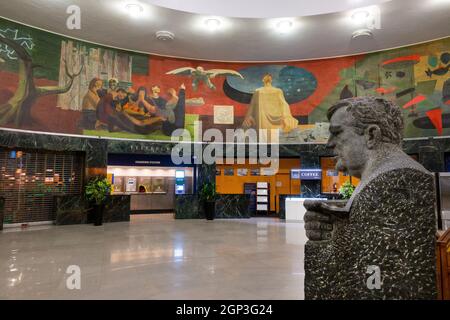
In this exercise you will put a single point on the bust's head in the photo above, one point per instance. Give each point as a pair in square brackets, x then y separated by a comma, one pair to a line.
[361, 127]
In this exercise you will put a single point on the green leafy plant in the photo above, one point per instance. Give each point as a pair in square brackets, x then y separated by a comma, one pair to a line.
[346, 190]
[208, 192]
[97, 189]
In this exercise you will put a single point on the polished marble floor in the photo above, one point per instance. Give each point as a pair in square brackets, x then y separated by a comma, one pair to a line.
[156, 257]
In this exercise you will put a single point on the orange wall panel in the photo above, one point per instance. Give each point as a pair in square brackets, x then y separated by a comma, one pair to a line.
[280, 183]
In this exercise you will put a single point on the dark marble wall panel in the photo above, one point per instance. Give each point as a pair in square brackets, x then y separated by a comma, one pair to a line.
[187, 206]
[206, 173]
[96, 153]
[227, 206]
[284, 150]
[70, 210]
[431, 157]
[117, 209]
[75, 209]
[232, 206]
[97, 149]
[12, 139]
[140, 147]
[310, 188]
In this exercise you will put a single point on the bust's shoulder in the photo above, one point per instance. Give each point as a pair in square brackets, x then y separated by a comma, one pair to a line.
[397, 180]
[400, 172]
[410, 173]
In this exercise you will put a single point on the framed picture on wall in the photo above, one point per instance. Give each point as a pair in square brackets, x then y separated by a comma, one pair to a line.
[332, 173]
[228, 172]
[131, 184]
[255, 172]
[218, 172]
[242, 172]
[159, 185]
[118, 184]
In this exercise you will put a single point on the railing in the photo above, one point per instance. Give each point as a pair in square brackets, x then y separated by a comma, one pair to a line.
[443, 265]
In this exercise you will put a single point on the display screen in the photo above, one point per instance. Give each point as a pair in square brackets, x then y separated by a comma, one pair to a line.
[179, 174]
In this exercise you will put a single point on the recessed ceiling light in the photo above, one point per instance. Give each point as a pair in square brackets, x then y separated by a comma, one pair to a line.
[284, 25]
[212, 24]
[360, 16]
[134, 9]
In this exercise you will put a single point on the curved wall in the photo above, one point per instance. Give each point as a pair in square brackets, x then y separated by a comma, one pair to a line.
[44, 86]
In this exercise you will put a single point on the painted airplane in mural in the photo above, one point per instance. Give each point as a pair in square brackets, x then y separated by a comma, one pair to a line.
[201, 75]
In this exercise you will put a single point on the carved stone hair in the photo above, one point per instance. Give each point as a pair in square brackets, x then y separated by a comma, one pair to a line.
[374, 111]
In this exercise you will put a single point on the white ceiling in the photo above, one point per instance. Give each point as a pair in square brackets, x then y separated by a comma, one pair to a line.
[403, 22]
[264, 9]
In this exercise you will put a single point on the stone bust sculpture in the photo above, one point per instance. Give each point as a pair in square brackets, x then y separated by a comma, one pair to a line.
[380, 243]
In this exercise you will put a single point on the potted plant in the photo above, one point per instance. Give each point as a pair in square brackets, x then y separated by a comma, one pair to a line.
[96, 191]
[208, 196]
[346, 190]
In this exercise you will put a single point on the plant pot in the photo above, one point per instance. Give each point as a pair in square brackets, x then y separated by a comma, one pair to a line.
[210, 210]
[98, 214]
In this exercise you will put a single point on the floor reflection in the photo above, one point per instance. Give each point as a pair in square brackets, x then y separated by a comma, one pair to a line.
[156, 257]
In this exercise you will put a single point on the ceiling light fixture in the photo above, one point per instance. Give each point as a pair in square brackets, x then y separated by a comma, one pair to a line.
[360, 16]
[284, 26]
[164, 35]
[212, 24]
[134, 9]
[362, 33]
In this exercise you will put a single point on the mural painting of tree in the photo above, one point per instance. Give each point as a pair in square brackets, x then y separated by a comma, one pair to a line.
[18, 108]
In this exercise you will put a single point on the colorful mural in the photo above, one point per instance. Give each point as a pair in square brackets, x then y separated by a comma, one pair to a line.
[54, 84]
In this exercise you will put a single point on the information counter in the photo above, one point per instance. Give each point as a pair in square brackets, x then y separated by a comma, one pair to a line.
[295, 210]
[152, 202]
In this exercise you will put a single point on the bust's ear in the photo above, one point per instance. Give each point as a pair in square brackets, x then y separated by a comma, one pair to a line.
[372, 135]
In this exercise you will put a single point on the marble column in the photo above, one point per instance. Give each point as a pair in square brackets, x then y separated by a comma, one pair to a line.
[96, 157]
[431, 157]
[206, 173]
[310, 188]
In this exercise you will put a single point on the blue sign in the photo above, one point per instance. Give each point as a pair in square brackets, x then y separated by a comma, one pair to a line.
[310, 174]
[295, 174]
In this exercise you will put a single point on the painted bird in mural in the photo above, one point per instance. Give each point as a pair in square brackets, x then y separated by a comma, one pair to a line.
[201, 75]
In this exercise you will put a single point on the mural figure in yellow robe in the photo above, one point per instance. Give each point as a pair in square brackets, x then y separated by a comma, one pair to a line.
[269, 109]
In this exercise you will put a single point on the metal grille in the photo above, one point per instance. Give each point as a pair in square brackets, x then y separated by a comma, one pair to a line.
[29, 180]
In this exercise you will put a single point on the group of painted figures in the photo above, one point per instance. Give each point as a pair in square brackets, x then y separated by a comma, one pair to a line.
[118, 109]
